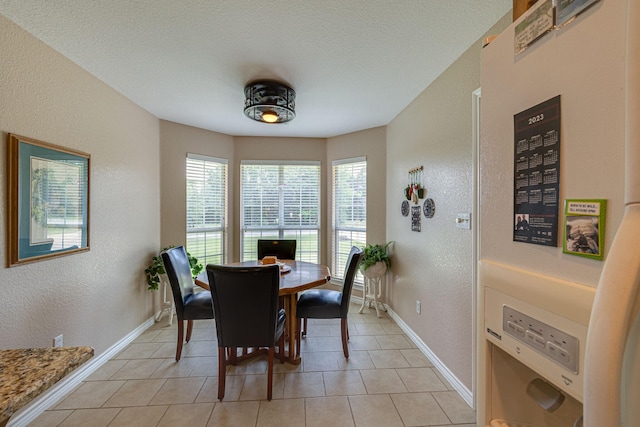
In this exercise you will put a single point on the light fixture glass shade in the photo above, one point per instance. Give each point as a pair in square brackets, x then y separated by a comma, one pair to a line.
[269, 102]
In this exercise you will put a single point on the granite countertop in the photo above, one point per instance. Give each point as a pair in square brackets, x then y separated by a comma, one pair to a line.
[26, 373]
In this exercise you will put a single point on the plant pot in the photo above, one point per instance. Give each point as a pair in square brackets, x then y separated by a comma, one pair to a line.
[376, 270]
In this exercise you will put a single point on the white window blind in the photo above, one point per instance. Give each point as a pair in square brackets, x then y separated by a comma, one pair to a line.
[280, 200]
[349, 210]
[206, 208]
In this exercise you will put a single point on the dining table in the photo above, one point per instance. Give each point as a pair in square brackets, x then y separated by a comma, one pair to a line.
[295, 276]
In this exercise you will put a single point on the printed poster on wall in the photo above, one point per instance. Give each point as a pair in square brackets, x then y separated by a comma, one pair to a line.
[536, 169]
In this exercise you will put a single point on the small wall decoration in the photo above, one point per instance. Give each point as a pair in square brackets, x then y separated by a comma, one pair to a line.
[429, 208]
[405, 208]
[48, 196]
[584, 227]
[415, 218]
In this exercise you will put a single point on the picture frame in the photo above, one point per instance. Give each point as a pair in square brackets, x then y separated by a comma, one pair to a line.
[584, 229]
[567, 10]
[48, 200]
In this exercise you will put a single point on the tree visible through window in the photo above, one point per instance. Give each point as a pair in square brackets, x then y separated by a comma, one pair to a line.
[206, 208]
[349, 210]
[280, 200]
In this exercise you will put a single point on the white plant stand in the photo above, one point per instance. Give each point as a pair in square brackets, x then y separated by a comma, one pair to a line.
[372, 291]
[166, 306]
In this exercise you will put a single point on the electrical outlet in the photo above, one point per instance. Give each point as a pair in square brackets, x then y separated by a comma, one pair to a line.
[418, 306]
[57, 341]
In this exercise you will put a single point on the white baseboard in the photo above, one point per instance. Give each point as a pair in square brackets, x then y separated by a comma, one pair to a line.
[458, 386]
[58, 391]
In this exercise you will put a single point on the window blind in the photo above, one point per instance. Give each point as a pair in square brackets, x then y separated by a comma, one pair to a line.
[280, 200]
[349, 210]
[206, 208]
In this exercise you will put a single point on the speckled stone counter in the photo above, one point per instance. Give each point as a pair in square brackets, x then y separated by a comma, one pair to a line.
[25, 373]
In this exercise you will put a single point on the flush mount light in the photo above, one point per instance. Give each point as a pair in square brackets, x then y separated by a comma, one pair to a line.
[269, 102]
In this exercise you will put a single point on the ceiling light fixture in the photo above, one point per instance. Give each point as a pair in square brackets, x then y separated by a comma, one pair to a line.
[269, 102]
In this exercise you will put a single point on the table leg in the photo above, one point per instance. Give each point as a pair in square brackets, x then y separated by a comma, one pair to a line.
[294, 358]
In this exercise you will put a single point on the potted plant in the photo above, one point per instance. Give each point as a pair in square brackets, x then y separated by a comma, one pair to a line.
[156, 268]
[375, 260]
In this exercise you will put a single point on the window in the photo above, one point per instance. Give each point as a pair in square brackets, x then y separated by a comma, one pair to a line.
[206, 208]
[349, 211]
[280, 200]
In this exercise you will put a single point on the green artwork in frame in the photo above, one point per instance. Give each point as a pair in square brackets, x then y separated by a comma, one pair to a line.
[584, 227]
[48, 195]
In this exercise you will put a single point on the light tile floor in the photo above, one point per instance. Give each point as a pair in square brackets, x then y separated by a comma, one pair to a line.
[385, 382]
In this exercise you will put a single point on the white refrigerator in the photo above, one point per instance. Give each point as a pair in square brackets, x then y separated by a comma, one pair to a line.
[593, 64]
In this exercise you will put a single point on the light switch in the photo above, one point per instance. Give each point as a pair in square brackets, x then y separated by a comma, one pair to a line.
[463, 220]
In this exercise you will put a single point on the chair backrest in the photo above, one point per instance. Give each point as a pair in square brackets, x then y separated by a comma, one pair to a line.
[283, 249]
[245, 304]
[350, 271]
[178, 269]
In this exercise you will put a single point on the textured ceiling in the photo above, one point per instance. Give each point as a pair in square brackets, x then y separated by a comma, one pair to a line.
[354, 64]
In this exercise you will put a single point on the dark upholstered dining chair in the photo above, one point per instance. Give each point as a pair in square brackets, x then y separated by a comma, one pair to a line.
[282, 249]
[245, 303]
[330, 304]
[190, 305]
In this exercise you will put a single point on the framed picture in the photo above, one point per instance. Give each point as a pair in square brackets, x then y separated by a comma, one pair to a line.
[584, 227]
[48, 200]
[538, 20]
[567, 10]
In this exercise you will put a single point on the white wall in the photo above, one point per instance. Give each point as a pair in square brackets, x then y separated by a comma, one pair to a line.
[434, 266]
[94, 298]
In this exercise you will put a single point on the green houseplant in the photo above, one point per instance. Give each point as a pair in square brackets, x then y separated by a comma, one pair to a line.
[375, 255]
[156, 268]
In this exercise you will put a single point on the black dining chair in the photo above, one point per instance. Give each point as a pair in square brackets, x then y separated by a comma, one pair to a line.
[190, 305]
[282, 249]
[330, 304]
[245, 303]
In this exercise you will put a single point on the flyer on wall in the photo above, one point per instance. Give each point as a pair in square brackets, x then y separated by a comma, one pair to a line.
[536, 170]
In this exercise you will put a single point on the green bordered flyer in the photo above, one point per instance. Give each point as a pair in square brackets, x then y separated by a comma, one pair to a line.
[584, 221]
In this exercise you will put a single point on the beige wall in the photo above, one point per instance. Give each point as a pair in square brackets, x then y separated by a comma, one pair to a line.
[370, 144]
[434, 266]
[94, 298]
[176, 141]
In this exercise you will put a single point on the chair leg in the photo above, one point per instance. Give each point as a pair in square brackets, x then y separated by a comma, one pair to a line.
[189, 329]
[304, 333]
[180, 339]
[281, 348]
[222, 371]
[344, 327]
[270, 373]
[298, 335]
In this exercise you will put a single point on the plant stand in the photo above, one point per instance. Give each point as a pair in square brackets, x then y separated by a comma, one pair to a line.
[372, 290]
[166, 306]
